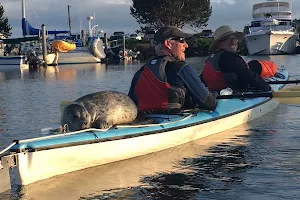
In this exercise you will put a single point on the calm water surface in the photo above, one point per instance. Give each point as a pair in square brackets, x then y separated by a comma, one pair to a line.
[258, 160]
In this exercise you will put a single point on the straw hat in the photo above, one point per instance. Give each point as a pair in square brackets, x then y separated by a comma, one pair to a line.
[221, 33]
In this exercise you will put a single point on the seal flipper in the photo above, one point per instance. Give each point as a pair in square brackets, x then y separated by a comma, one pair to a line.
[102, 124]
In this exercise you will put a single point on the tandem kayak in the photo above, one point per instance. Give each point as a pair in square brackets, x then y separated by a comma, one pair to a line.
[39, 158]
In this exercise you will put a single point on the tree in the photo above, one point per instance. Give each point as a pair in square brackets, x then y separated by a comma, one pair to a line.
[4, 26]
[158, 13]
[297, 22]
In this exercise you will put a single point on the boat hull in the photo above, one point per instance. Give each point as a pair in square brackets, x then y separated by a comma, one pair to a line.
[44, 157]
[271, 42]
[78, 56]
[8, 63]
[34, 166]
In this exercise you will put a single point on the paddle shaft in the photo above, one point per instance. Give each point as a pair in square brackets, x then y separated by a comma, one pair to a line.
[246, 95]
[282, 96]
[284, 82]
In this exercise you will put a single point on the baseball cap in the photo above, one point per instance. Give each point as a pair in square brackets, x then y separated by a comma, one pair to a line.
[167, 32]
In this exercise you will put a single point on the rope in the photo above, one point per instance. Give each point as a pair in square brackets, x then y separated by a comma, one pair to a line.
[65, 134]
[148, 125]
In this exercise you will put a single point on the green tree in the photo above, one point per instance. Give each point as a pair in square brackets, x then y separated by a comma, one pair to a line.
[4, 26]
[297, 24]
[158, 13]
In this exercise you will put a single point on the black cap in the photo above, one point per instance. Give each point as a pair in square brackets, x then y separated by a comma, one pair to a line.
[167, 32]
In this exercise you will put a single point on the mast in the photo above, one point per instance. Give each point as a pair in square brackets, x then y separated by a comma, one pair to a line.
[69, 19]
[23, 8]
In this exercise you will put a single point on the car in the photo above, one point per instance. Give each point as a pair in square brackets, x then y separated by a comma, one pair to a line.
[207, 34]
[135, 37]
[118, 35]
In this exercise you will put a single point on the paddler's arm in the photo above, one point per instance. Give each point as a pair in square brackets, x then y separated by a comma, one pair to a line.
[230, 62]
[196, 88]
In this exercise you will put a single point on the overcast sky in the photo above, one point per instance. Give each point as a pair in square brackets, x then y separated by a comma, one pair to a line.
[114, 15]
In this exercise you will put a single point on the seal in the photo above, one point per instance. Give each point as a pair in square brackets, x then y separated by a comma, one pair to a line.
[99, 110]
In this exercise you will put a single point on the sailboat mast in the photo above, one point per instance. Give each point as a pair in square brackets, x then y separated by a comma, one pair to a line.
[23, 8]
[69, 19]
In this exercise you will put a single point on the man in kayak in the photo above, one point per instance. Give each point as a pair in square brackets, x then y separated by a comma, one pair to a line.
[167, 83]
[225, 68]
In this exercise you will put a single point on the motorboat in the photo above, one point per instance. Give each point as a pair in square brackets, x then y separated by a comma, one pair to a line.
[271, 30]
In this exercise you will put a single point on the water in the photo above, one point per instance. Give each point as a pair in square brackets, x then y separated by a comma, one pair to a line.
[258, 160]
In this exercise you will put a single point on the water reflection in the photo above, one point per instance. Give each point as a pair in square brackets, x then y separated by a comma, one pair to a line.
[2, 120]
[11, 75]
[179, 172]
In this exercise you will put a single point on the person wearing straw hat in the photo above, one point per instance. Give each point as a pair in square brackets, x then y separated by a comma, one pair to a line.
[167, 83]
[225, 68]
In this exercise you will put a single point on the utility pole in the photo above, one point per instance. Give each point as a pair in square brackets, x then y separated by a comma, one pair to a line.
[69, 19]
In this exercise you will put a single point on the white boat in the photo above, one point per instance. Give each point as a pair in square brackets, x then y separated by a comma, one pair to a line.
[271, 30]
[94, 53]
[8, 63]
[40, 158]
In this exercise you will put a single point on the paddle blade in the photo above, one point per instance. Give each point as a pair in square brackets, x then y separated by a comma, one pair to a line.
[64, 104]
[287, 96]
[296, 88]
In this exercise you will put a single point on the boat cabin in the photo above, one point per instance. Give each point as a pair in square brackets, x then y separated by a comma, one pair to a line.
[271, 15]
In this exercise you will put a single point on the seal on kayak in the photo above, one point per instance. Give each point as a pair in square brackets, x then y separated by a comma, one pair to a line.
[99, 110]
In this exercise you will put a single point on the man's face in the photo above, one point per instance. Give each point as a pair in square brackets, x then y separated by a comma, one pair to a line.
[177, 47]
[229, 43]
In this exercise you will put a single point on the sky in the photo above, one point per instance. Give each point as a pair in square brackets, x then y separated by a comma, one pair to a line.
[114, 15]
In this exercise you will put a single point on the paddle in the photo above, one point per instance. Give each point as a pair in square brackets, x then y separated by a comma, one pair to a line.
[282, 96]
[284, 82]
[296, 88]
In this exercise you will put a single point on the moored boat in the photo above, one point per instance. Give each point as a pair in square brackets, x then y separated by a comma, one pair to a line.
[272, 30]
[8, 63]
[40, 158]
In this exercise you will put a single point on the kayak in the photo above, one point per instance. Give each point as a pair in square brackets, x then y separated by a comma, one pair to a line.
[40, 158]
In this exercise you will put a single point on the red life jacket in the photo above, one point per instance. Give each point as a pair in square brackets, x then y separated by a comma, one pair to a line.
[212, 75]
[152, 90]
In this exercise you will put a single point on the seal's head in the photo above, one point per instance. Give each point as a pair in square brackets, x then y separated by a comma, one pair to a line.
[76, 117]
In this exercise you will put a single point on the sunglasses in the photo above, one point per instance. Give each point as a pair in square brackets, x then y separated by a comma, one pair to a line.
[230, 39]
[181, 40]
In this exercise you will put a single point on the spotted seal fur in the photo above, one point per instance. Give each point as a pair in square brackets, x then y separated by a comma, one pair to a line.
[99, 110]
